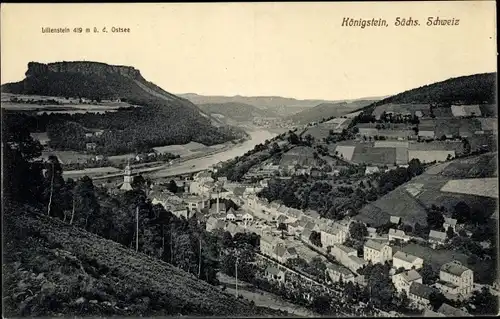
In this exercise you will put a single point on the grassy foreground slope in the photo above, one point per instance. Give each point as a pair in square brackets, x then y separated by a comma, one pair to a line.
[51, 268]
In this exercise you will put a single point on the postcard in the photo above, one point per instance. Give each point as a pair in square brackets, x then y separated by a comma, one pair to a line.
[291, 159]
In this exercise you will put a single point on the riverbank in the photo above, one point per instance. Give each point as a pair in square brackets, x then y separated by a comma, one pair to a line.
[188, 164]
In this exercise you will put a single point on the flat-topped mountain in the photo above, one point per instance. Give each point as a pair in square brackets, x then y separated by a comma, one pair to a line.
[162, 118]
[93, 80]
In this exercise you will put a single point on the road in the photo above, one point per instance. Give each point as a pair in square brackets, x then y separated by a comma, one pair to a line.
[263, 298]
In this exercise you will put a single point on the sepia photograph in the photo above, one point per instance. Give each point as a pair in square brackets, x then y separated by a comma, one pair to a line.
[270, 159]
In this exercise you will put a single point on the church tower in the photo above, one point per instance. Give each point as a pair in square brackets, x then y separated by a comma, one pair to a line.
[127, 179]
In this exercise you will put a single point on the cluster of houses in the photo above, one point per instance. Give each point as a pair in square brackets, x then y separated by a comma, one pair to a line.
[272, 220]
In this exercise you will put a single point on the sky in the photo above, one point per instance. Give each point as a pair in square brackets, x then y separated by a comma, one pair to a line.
[293, 49]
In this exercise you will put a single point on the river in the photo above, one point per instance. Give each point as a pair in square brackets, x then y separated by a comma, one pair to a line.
[256, 136]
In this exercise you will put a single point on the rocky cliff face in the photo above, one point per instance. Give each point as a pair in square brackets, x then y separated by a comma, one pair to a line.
[82, 67]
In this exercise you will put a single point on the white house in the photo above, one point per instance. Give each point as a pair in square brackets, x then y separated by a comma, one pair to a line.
[371, 170]
[274, 274]
[282, 253]
[437, 238]
[377, 252]
[455, 279]
[337, 273]
[403, 280]
[231, 215]
[398, 234]
[395, 220]
[450, 222]
[407, 261]
[247, 217]
[333, 235]
[348, 257]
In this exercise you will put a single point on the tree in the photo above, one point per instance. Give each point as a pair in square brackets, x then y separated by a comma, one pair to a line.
[428, 274]
[450, 233]
[315, 238]
[282, 226]
[484, 303]
[435, 219]
[436, 299]
[415, 167]
[87, 207]
[462, 212]
[138, 182]
[172, 186]
[466, 146]
[358, 231]
[293, 138]
[322, 304]
[316, 267]
[227, 239]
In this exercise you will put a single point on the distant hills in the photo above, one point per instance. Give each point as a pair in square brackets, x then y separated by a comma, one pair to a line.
[164, 118]
[326, 110]
[237, 111]
[282, 106]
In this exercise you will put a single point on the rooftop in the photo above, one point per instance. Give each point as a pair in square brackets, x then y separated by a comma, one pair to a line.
[454, 268]
[421, 290]
[437, 235]
[272, 270]
[346, 249]
[339, 269]
[450, 221]
[406, 257]
[396, 232]
[374, 245]
[357, 260]
[411, 275]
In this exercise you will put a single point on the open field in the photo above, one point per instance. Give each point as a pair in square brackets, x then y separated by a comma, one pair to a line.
[318, 132]
[68, 157]
[374, 155]
[64, 105]
[484, 165]
[476, 186]
[436, 146]
[410, 202]
[430, 156]
[483, 270]
[91, 171]
[346, 151]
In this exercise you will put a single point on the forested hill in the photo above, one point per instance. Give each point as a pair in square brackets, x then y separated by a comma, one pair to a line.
[237, 111]
[162, 119]
[91, 80]
[327, 110]
[470, 89]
